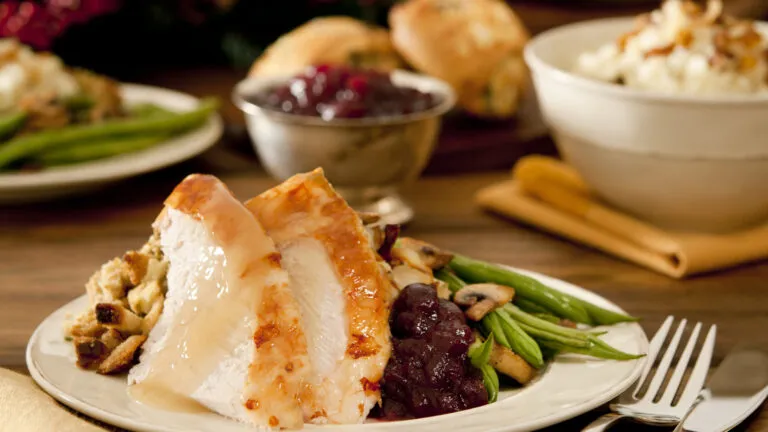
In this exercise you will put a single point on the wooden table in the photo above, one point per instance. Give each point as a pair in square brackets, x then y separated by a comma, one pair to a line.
[48, 251]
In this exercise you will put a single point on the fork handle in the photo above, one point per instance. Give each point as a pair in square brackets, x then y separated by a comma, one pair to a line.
[603, 423]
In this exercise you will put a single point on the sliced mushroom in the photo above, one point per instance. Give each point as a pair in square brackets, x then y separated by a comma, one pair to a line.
[410, 258]
[404, 275]
[443, 291]
[369, 218]
[482, 298]
[428, 255]
[375, 235]
[507, 362]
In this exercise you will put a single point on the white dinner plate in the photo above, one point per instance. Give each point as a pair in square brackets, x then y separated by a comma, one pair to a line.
[570, 385]
[16, 187]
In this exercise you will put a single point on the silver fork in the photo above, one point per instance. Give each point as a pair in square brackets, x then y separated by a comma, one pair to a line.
[663, 412]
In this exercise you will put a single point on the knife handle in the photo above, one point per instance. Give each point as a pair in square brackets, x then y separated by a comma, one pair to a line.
[603, 423]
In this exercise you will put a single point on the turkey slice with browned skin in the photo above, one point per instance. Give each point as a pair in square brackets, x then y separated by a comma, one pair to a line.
[230, 336]
[343, 292]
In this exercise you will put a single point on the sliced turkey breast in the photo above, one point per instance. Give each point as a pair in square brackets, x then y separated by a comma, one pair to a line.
[341, 288]
[230, 338]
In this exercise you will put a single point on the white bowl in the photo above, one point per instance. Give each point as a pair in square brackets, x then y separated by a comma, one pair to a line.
[686, 162]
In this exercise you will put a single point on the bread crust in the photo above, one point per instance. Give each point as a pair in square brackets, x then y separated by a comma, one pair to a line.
[334, 40]
[474, 45]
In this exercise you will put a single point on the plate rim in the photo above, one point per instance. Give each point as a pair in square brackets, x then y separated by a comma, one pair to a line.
[531, 425]
[173, 151]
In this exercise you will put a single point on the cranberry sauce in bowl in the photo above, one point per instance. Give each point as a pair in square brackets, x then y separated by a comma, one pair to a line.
[371, 133]
[429, 372]
[340, 92]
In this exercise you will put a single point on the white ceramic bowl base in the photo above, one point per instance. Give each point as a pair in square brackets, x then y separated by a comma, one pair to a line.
[570, 386]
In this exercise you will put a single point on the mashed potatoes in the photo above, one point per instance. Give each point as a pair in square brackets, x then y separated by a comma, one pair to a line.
[681, 48]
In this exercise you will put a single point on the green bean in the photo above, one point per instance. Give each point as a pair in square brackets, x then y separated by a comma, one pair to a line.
[78, 102]
[492, 326]
[541, 324]
[531, 307]
[547, 317]
[454, 282]
[544, 330]
[480, 351]
[548, 353]
[97, 150]
[10, 123]
[149, 110]
[593, 351]
[33, 144]
[560, 304]
[472, 270]
[519, 341]
[604, 316]
[541, 335]
[609, 350]
[491, 382]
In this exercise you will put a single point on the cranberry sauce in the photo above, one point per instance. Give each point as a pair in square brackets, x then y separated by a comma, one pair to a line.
[429, 372]
[333, 92]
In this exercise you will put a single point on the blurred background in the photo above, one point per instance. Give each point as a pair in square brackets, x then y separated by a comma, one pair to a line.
[206, 46]
[127, 39]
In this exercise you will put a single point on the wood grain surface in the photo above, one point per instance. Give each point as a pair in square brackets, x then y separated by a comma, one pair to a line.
[48, 251]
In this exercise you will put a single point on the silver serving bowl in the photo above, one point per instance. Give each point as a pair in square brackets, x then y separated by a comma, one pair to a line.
[366, 159]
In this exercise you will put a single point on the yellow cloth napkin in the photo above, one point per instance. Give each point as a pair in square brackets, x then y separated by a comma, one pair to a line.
[548, 194]
[26, 408]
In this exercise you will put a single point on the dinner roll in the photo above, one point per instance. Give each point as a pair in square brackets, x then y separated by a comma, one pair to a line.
[328, 40]
[475, 45]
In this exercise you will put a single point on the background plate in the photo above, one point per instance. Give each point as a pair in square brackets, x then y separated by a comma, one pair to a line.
[17, 187]
[571, 385]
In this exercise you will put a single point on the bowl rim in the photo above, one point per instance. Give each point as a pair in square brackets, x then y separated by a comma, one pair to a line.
[564, 76]
[420, 81]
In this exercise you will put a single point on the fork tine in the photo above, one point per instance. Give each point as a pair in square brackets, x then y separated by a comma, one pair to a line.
[653, 351]
[682, 365]
[661, 371]
[700, 370]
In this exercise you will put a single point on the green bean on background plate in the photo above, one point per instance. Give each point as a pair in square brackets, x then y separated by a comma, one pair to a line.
[99, 149]
[11, 122]
[148, 110]
[28, 146]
